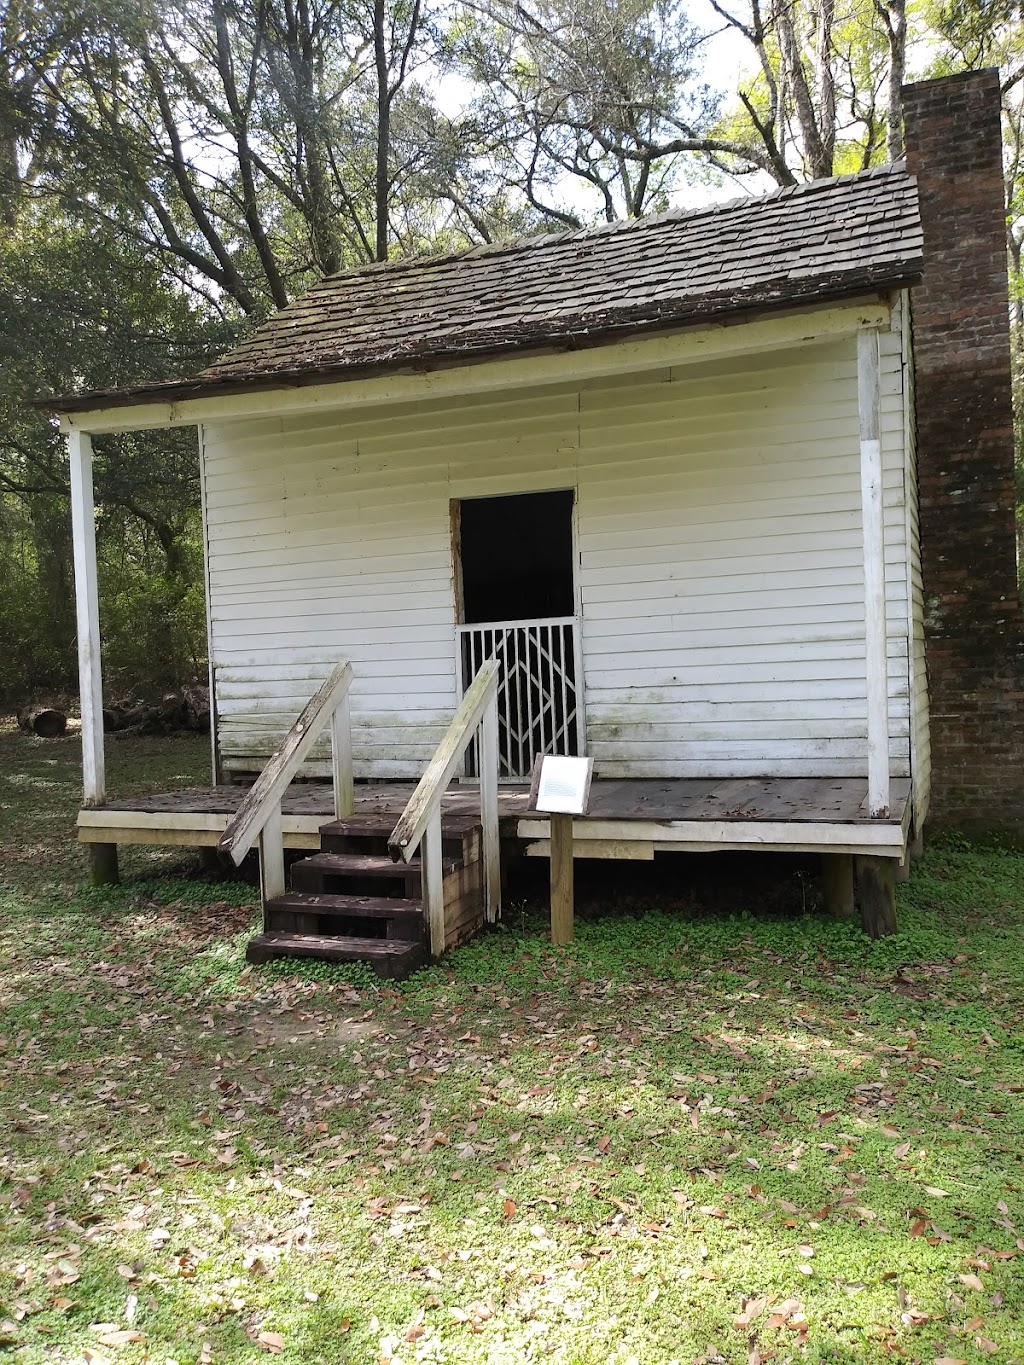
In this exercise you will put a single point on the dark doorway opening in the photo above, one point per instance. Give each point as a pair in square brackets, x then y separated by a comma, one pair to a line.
[516, 557]
[514, 567]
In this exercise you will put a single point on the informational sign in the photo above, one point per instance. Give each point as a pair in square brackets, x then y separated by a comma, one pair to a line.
[561, 786]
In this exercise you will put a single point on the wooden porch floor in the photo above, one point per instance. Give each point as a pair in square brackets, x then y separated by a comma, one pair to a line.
[676, 814]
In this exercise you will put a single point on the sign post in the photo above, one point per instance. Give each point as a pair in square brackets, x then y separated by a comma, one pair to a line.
[561, 789]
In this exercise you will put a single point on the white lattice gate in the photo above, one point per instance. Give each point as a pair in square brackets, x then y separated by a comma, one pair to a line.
[540, 703]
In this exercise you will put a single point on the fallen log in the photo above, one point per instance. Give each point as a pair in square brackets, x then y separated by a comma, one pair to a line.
[45, 721]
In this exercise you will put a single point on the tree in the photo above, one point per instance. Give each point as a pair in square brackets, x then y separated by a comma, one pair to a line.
[606, 95]
[252, 146]
[80, 311]
[825, 97]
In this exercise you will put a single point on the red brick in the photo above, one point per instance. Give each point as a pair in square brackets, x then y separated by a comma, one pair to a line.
[974, 627]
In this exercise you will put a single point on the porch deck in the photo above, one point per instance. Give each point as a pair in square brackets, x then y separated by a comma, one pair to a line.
[628, 818]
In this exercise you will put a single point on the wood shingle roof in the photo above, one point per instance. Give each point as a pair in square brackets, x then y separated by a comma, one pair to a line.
[800, 245]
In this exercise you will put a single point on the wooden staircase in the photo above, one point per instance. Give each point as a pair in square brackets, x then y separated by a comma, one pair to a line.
[386, 893]
[351, 902]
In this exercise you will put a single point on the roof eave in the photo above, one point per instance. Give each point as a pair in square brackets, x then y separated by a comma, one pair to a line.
[173, 392]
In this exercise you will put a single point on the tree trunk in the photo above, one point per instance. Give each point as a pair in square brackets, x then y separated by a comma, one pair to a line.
[44, 721]
[897, 33]
[381, 186]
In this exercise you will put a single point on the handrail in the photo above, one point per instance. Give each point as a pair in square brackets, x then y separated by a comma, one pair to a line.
[420, 822]
[261, 806]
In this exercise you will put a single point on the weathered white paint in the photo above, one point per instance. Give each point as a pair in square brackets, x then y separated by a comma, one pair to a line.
[432, 881]
[446, 761]
[272, 878]
[90, 678]
[260, 808]
[215, 774]
[419, 826]
[920, 737]
[873, 517]
[341, 760]
[704, 836]
[720, 574]
[698, 342]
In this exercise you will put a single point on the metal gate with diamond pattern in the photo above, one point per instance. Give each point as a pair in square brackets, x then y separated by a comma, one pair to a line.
[540, 704]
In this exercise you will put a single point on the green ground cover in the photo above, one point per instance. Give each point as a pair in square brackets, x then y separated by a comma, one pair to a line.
[690, 1136]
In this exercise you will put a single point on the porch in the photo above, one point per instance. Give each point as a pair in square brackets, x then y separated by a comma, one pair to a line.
[628, 817]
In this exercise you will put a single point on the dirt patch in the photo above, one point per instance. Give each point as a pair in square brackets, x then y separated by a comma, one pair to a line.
[294, 1028]
[198, 925]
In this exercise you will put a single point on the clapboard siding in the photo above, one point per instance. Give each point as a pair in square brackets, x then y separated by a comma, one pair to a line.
[720, 575]
[920, 739]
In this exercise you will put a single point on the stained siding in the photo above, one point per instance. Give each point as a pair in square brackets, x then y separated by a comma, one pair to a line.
[920, 740]
[720, 573]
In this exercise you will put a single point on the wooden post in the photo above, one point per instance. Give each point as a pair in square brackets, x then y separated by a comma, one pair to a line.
[216, 774]
[90, 681]
[341, 760]
[872, 513]
[489, 810]
[272, 855]
[103, 870]
[432, 881]
[876, 890]
[562, 894]
[837, 884]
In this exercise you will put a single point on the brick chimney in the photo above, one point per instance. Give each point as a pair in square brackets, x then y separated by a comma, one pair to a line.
[973, 621]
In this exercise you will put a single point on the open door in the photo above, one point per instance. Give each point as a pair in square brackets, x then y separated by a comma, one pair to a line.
[516, 593]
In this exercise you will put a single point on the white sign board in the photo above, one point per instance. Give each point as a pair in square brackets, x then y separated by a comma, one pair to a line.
[561, 786]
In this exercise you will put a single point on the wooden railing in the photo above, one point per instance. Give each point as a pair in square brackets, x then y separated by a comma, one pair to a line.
[259, 815]
[420, 823]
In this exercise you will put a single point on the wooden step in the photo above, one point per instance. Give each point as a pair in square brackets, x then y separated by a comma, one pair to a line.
[364, 916]
[391, 958]
[372, 907]
[370, 833]
[308, 874]
[383, 824]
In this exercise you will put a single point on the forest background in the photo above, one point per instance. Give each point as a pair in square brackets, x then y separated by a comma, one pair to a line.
[173, 171]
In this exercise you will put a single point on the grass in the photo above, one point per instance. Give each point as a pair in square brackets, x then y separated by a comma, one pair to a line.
[693, 1136]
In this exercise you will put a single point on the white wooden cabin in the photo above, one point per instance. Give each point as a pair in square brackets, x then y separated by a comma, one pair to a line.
[663, 472]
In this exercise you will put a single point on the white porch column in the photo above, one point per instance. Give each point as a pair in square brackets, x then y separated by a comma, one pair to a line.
[87, 603]
[872, 514]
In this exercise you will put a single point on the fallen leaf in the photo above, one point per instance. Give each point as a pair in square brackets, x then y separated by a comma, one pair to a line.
[510, 1208]
[271, 1341]
[939, 1194]
[972, 1282]
[782, 1312]
[752, 1309]
[119, 1338]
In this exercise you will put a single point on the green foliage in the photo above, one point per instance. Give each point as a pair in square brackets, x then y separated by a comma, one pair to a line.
[85, 310]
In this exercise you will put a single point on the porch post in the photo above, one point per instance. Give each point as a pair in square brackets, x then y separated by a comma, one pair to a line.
[88, 614]
[872, 514]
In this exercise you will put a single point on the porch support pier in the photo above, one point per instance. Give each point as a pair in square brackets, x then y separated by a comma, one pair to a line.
[102, 857]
